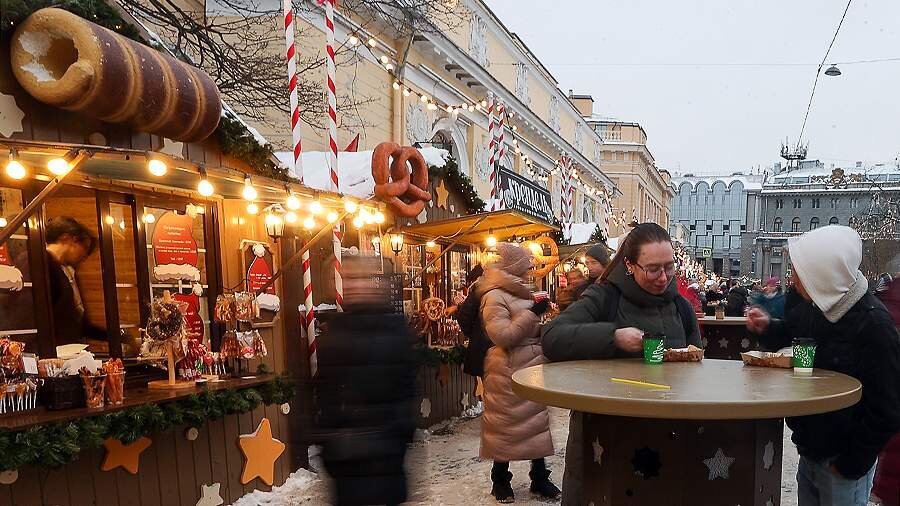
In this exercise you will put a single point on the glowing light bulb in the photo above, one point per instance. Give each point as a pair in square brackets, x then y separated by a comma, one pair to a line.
[290, 217]
[373, 42]
[353, 40]
[205, 188]
[15, 170]
[110, 220]
[60, 166]
[148, 218]
[379, 217]
[430, 244]
[3, 222]
[156, 167]
[491, 241]
[309, 223]
[315, 207]
[358, 222]
[252, 208]
[249, 192]
[406, 92]
[424, 98]
[484, 103]
[350, 206]
[384, 59]
[332, 217]
[293, 202]
[396, 85]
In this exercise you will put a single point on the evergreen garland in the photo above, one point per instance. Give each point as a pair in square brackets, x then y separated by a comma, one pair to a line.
[557, 235]
[460, 183]
[56, 444]
[437, 356]
[97, 11]
[237, 142]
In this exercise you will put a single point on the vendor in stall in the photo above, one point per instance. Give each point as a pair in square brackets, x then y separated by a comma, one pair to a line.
[68, 244]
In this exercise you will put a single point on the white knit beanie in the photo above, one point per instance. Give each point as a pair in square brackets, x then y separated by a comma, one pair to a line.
[514, 259]
[827, 261]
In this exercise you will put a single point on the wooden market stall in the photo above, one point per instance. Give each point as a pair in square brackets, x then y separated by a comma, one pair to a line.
[152, 193]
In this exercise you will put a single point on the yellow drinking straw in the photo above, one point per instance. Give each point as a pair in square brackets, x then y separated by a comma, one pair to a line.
[639, 383]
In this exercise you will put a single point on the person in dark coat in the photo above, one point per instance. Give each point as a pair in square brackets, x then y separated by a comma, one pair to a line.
[636, 294]
[714, 297]
[886, 488]
[467, 315]
[366, 394]
[68, 244]
[770, 299]
[736, 301]
[854, 335]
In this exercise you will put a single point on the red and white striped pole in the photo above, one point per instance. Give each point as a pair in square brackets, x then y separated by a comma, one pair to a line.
[333, 148]
[309, 316]
[501, 152]
[607, 210]
[492, 148]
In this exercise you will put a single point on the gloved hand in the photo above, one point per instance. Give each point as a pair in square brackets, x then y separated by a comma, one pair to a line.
[540, 307]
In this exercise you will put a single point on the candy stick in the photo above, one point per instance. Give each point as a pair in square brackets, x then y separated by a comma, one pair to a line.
[332, 146]
[640, 383]
[492, 148]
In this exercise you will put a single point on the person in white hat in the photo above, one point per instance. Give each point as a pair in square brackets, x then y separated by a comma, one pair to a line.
[854, 335]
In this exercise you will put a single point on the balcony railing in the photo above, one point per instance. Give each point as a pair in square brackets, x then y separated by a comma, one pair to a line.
[611, 135]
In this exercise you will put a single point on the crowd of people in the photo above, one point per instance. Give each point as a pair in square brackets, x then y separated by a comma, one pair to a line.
[649, 286]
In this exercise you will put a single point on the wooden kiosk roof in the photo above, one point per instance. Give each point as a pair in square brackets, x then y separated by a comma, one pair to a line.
[477, 227]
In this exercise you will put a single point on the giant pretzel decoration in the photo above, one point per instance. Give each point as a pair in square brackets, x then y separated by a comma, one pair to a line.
[543, 264]
[394, 184]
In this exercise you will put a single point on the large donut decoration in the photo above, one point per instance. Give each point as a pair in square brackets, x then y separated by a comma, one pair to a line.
[394, 184]
[544, 264]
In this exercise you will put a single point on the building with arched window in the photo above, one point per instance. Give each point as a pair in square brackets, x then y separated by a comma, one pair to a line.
[715, 212]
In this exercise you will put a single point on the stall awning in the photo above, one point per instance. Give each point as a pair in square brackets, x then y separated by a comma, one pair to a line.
[476, 228]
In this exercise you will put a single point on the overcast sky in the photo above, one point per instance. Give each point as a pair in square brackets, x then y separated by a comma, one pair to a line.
[637, 58]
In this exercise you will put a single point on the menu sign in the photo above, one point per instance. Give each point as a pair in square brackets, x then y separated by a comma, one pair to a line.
[173, 240]
[258, 275]
[526, 196]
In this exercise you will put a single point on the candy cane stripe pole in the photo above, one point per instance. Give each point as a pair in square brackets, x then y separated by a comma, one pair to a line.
[492, 148]
[333, 149]
[501, 151]
[309, 318]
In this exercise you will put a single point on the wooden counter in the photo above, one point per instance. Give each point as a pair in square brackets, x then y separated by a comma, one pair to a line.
[715, 437]
[133, 397]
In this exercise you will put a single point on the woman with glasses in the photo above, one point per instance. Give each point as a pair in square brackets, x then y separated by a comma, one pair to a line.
[636, 294]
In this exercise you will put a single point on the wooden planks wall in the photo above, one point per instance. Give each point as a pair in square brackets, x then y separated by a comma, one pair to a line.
[446, 399]
[172, 471]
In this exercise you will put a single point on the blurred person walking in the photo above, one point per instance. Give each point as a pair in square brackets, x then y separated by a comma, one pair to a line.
[366, 392]
[512, 428]
[854, 335]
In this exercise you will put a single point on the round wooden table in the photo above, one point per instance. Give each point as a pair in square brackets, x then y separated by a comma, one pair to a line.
[713, 438]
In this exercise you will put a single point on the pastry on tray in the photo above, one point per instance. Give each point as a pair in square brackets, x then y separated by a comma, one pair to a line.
[767, 359]
[689, 354]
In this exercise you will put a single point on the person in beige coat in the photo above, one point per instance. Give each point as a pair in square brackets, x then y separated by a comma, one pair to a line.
[512, 428]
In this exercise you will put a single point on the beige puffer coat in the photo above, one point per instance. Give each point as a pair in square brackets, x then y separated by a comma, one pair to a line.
[512, 428]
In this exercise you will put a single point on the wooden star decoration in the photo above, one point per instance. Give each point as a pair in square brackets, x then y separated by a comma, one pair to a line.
[127, 457]
[442, 194]
[260, 451]
[210, 495]
[718, 465]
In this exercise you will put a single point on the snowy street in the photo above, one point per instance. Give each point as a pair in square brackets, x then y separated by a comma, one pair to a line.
[453, 474]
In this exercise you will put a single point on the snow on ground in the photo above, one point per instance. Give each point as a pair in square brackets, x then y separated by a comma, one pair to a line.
[446, 470]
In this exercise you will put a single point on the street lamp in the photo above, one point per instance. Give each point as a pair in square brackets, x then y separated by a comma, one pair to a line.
[832, 71]
[274, 226]
[397, 243]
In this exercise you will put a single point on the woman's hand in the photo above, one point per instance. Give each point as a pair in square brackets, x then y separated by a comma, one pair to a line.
[758, 320]
[630, 339]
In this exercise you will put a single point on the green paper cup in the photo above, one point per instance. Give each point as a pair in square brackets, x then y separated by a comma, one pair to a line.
[654, 348]
[804, 355]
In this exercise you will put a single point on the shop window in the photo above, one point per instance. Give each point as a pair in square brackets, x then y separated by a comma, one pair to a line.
[121, 224]
[17, 316]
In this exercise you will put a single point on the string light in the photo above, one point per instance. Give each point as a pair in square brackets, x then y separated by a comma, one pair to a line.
[156, 167]
[384, 59]
[309, 223]
[430, 244]
[292, 203]
[406, 92]
[315, 207]
[353, 40]
[372, 42]
[148, 218]
[60, 166]
[204, 187]
[332, 217]
[14, 169]
[252, 208]
[396, 85]
[290, 217]
[379, 217]
[358, 222]
[424, 98]
[350, 206]
[249, 192]
[3, 222]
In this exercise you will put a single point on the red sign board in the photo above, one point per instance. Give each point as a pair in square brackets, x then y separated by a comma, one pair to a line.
[5, 259]
[191, 314]
[173, 240]
[258, 274]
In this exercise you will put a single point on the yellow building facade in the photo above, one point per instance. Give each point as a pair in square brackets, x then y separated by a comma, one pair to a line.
[433, 91]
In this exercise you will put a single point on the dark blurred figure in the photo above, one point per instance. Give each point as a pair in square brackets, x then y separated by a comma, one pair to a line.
[714, 297]
[575, 285]
[366, 393]
[467, 314]
[736, 301]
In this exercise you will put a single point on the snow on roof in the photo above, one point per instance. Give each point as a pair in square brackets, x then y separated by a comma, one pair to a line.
[581, 232]
[877, 172]
[354, 169]
[750, 181]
